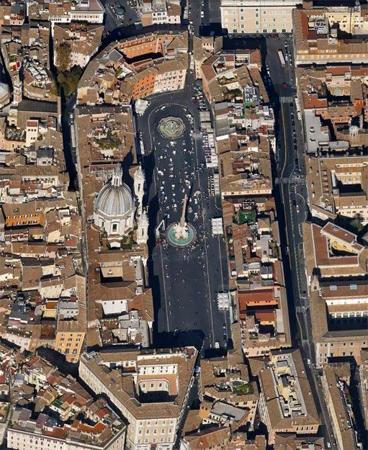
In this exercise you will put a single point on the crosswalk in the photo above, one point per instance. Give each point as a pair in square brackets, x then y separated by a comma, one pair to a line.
[290, 180]
[286, 99]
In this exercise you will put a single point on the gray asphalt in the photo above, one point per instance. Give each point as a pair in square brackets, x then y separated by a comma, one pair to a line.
[114, 20]
[189, 278]
[293, 192]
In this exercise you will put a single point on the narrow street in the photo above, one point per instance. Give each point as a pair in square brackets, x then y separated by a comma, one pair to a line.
[291, 189]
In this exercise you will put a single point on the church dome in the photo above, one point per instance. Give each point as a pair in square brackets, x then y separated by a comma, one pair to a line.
[115, 198]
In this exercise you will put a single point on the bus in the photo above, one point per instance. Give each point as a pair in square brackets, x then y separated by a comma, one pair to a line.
[281, 57]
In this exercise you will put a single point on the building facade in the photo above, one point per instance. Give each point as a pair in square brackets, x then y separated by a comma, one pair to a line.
[161, 382]
[257, 16]
[26, 440]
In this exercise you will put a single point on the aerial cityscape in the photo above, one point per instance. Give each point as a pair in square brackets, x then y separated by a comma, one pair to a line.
[183, 224]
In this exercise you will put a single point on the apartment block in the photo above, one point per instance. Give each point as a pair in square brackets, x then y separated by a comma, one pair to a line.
[336, 266]
[335, 383]
[159, 12]
[160, 63]
[89, 11]
[333, 99]
[286, 404]
[58, 413]
[26, 440]
[81, 41]
[319, 35]
[149, 388]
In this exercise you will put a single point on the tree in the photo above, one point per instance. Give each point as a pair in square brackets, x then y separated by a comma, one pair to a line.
[63, 56]
[68, 81]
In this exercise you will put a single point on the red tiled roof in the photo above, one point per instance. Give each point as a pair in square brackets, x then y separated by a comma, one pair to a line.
[256, 297]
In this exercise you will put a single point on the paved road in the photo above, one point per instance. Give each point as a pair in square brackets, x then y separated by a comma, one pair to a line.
[194, 16]
[211, 11]
[67, 123]
[185, 281]
[291, 188]
[119, 13]
[203, 13]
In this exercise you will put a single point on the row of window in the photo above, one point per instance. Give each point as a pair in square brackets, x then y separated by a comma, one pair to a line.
[350, 315]
[70, 339]
[153, 441]
[163, 431]
[68, 352]
[235, 30]
[343, 343]
[28, 222]
[28, 442]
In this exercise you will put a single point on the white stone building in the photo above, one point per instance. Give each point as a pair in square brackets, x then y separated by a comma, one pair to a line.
[257, 16]
[18, 439]
[171, 75]
[161, 381]
[114, 209]
[90, 11]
